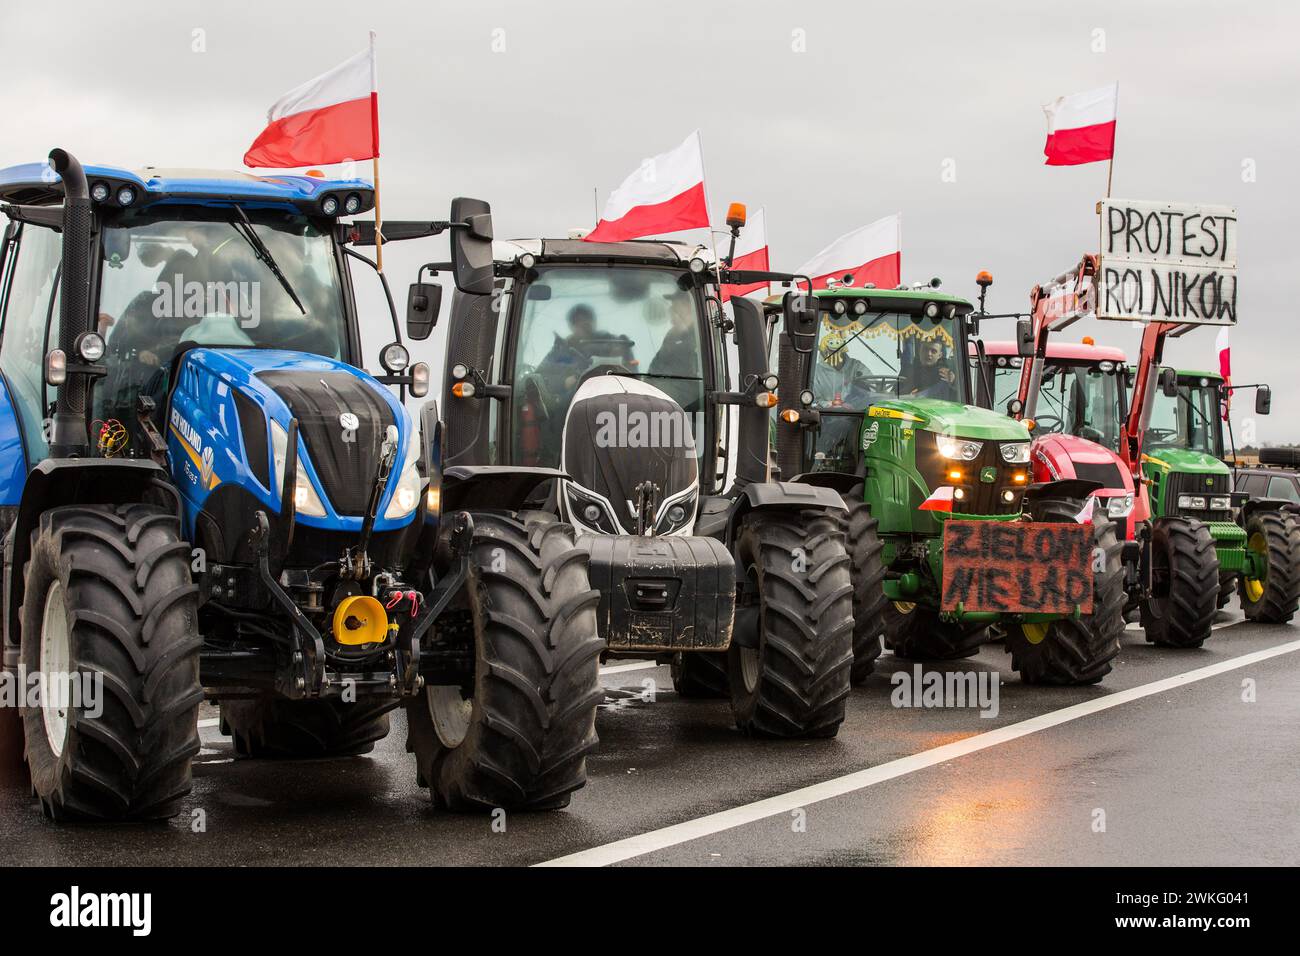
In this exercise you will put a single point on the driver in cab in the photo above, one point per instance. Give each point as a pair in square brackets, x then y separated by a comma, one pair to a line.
[931, 375]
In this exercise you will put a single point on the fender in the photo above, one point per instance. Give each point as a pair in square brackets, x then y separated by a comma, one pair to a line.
[784, 496]
[492, 487]
[841, 481]
[13, 459]
[68, 481]
[1267, 504]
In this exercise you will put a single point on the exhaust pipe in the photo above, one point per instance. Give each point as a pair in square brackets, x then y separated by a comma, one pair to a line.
[71, 437]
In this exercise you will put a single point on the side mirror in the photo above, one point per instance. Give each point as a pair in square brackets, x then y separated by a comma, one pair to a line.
[471, 245]
[1025, 338]
[1169, 382]
[423, 303]
[1263, 400]
[800, 312]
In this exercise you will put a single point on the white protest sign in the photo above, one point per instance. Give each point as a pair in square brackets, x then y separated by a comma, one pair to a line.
[1168, 262]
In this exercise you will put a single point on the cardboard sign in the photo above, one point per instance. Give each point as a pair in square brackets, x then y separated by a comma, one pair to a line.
[1167, 262]
[1017, 566]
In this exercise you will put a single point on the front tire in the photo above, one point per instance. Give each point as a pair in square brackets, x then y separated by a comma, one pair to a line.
[520, 741]
[795, 683]
[1275, 536]
[916, 633]
[867, 571]
[278, 728]
[108, 597]
[1067, 651]
[1180, 607]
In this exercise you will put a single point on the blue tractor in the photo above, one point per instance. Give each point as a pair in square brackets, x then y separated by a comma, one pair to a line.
[204, 495]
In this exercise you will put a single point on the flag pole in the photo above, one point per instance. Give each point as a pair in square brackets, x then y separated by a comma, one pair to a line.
[379, 224]
[374, 121]
[1110, 168]
[717, 265]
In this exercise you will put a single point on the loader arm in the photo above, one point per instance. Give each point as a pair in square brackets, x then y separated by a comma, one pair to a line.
[1055, 304]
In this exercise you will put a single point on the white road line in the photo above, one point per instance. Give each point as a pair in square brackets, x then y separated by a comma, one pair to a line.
[634, 666]
[626, 849]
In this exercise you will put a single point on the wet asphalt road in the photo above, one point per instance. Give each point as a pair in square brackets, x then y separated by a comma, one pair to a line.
[1192, 774]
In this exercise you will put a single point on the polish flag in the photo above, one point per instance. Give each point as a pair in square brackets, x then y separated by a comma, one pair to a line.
[330, 119]
[870, 254]
[751, 253]
[939, 500]
[1081, 127]
[666, 194]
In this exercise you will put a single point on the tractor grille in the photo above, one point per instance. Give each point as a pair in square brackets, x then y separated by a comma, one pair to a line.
[1183, 483]
[1105, 473]
[981, 497]
[346, 462]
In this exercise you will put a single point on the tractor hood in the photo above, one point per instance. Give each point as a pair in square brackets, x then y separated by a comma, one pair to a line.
[1060, 456]
[228, 420]
[952, 418]
[1184, 460]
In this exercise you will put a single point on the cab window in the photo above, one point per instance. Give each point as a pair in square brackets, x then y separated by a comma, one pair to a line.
[1282, 487]
[31, 304]
[581, 321]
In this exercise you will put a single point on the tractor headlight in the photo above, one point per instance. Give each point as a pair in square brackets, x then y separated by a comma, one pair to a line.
[407, 493]
[590, 511]
[1121, 506]
[1221, 503]
[1192, 502]
[959, 449]
[305, 499]
[1015, 452]
[677, 515]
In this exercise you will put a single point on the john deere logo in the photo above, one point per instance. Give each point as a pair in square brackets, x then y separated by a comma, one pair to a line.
[988, 474]
[1209, 482]
[349, 421]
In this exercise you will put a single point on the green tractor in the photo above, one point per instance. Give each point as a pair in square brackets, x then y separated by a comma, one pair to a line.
[1257, 539]
[947, 531]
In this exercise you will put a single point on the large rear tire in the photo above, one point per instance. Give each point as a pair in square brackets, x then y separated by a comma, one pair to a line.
[867, 571]
[701, 675]
[520, 741]
[1067, 651]
[796, 681]
[1276, 536]
[1180, 607]
[915, 633]
[108, 597]
[278, 728]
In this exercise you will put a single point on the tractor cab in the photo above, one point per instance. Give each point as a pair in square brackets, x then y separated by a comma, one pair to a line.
[1189, 418]
[877, 346]
[1082, 391]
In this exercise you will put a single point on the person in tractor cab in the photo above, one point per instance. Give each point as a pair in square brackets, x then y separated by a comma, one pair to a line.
[579, 351]
[679, 352]
[839, 379]
[931, 374]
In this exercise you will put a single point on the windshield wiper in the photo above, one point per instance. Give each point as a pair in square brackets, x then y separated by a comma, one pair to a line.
[245, 229]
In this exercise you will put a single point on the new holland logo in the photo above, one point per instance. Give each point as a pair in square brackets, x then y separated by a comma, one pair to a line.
[205, 469]
[349, 421]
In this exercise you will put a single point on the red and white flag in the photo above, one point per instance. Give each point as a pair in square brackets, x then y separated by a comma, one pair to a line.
[330, 119]
[665, 194]
[1081, 127]
[751, 253]
[870, 254]
[940, 500]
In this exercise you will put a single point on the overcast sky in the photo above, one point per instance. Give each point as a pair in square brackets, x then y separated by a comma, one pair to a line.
[532, 105]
